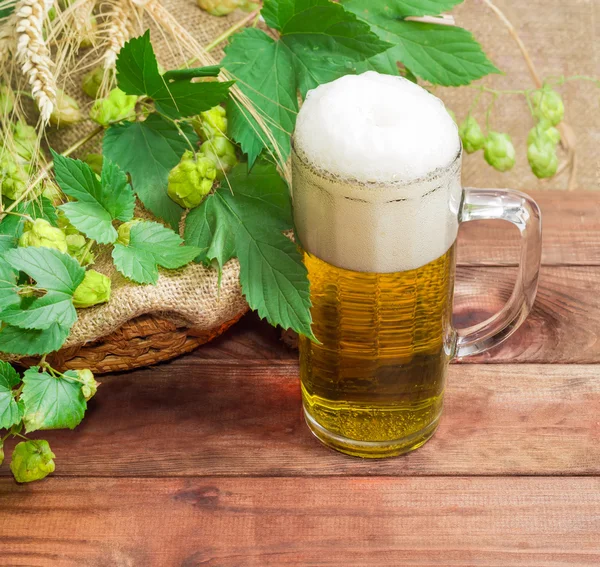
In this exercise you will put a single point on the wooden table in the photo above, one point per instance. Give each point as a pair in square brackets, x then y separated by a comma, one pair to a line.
[206, 460]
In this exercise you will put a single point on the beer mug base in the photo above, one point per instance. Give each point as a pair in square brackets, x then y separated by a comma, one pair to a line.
[371, 449]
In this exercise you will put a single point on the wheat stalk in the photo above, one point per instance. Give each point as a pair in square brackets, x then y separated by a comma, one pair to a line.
[33, 54]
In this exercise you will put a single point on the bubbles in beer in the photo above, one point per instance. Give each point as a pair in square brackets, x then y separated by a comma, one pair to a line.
[375, 128]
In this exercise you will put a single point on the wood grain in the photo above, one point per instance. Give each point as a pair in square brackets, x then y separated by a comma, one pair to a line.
[350, 522]
[218, 420]
[571, 233]
[564, 326]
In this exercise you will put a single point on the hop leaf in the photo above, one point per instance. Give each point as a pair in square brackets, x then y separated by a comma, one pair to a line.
[151, 245]
[115, 107]
[66, 110]
[52, 402]
[89, 386]
[221, 152]
[541, 155]
[32, 460]
[91, 82]
[191, 180]
[471, 135]
[547, 105]
[93, 290]
[499, 151]
[11, 411]
[211, 123]
[41, 233]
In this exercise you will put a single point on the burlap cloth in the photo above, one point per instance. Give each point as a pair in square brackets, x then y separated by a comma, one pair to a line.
[563, 39]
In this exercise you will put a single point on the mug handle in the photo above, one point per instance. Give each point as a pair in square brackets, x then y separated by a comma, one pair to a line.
[524, 213]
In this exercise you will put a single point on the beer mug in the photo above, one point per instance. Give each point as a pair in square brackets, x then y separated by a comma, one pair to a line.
[377, 200]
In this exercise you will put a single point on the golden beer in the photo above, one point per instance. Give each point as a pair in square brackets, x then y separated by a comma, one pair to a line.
[378, 374]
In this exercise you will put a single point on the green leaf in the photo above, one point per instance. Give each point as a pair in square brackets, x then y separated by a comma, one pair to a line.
[32, 460]
[151, 245]
[51, 403]
[401, 8]
[323, 37]
[159, 145]
[319, 41]
[255, 210]
[10, 409]
[173, 94]
[11, 226]
[97, 203]
[28, 342]
[57, 276]
[268, 80]
[8, 285]
[442, 55]
[208, 226]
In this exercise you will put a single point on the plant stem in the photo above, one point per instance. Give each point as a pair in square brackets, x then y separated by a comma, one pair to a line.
[42, 175]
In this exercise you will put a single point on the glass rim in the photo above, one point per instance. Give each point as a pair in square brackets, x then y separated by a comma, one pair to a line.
[435, 174]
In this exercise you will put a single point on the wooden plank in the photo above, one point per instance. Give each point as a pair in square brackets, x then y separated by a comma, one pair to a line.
[217, 420]
[571, 225]
[564, 326]
[349, 522]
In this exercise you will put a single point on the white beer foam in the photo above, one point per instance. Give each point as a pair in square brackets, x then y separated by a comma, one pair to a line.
[392, 204]
[376, 128]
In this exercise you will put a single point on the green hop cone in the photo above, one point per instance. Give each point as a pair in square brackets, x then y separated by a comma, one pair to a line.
[219, 7]
[221, 152]
[7, 100]
[93, 290]
[547, 105]
[53, 193]
[88, 32]
[32, 460]
[471, 135]
[89, 386]
[13, 176]
[115, 107]
[41, 233]
[95, 162]
[499, 152]
[211, 123]
[191, 180]
[91, 82]
[124, 231]
[543, 131]
[26, 140]
[66, 110]
[542, 158]
[77, 248]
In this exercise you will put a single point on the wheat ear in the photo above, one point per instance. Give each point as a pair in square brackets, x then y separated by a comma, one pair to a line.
[7, 39]
[33, 54]
[118, 31]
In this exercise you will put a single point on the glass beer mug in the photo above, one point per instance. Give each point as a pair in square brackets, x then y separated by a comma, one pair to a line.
[377, 201]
